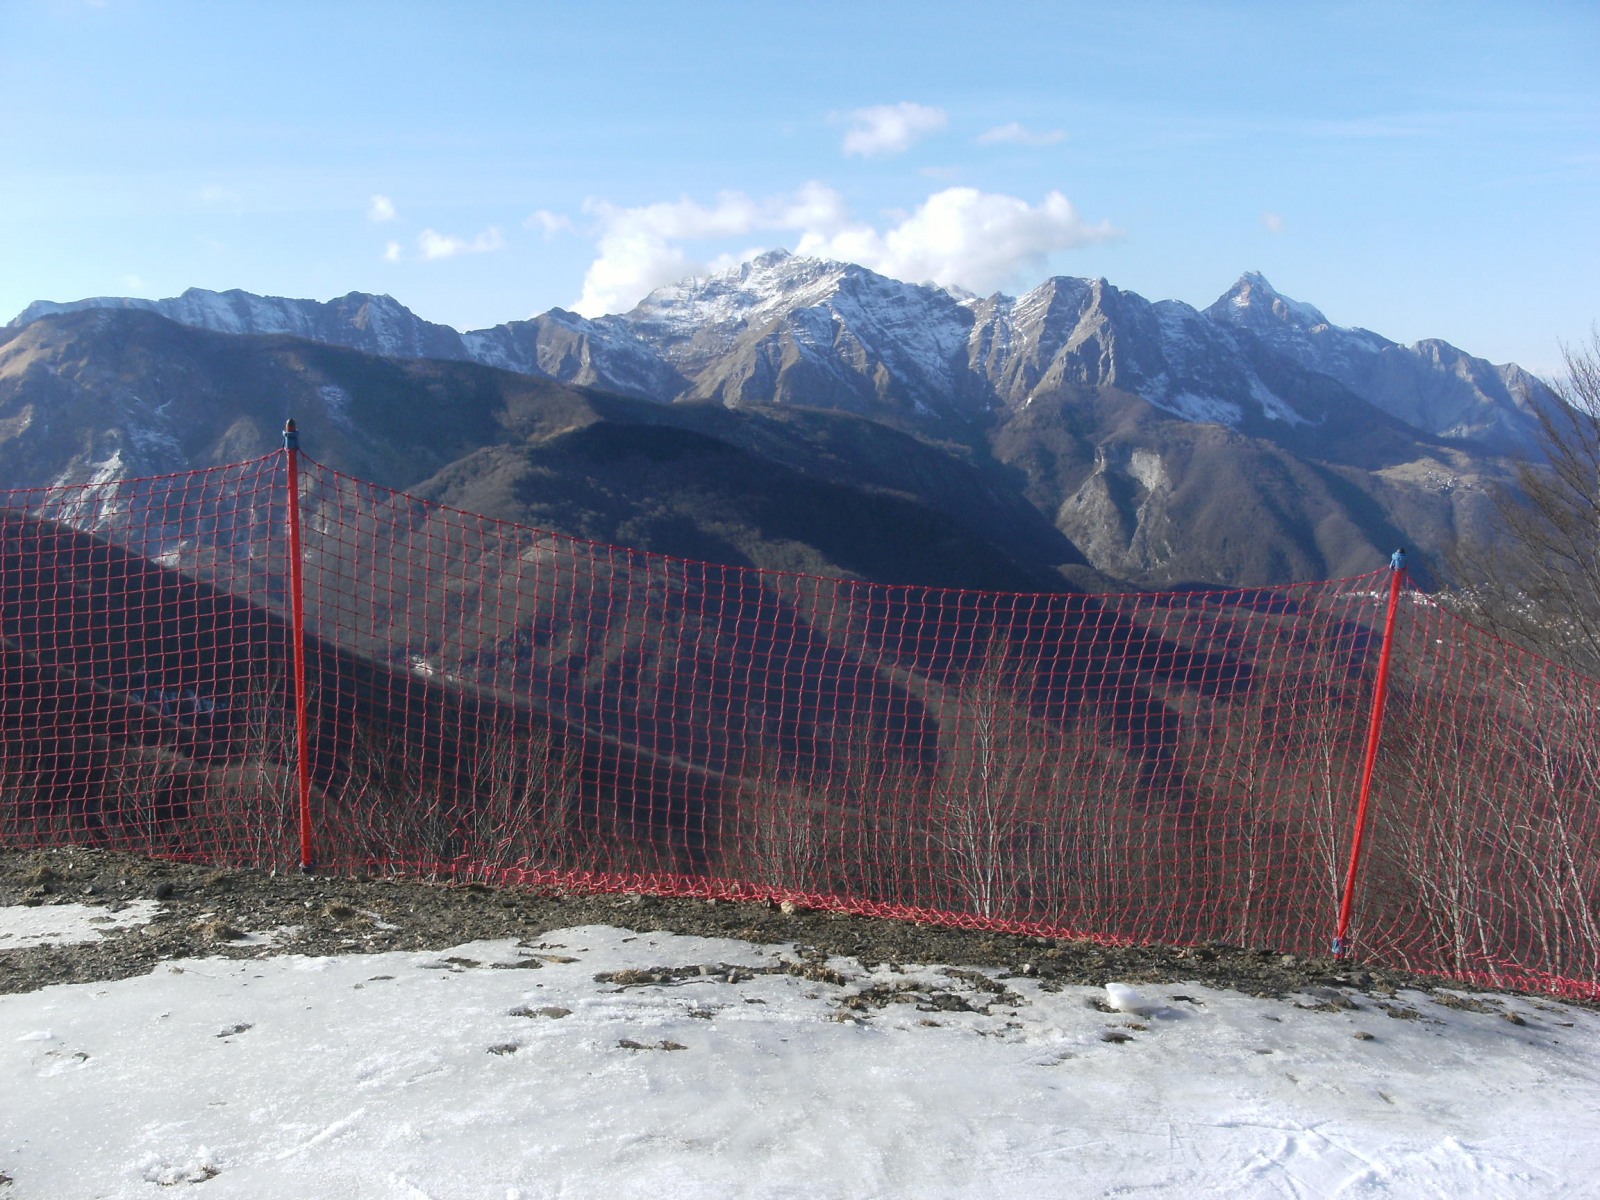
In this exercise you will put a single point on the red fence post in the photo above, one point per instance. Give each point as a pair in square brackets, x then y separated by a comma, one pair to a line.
[297, 633]
[1397, 568]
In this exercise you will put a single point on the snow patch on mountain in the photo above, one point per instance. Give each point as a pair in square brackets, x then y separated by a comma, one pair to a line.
[1199, 409]
[1273, 406]
[336, 401]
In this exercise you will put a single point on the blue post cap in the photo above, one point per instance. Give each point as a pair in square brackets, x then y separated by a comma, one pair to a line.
[291, 436]
[1397, 560]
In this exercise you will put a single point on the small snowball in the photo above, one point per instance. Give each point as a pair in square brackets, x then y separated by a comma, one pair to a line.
[1127, 999]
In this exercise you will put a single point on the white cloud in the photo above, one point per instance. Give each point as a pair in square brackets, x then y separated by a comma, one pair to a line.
[639, 248]
[435, 245]
[1020, 135]
[959, 236]
[381, 208]
[391, 252]
[548, 223]
[963, 237]
[890, 128]
[1273, 222]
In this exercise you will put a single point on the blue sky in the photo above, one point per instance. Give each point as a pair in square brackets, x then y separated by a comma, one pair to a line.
[1421, 170]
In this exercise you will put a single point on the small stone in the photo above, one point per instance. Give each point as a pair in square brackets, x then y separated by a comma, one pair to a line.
[1289, 960]
[1363, 1036]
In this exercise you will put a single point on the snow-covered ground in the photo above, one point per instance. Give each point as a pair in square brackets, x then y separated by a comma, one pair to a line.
[707, 1072]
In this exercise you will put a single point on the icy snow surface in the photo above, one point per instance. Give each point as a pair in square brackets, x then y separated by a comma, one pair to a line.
[68, 924]
[438, 1075]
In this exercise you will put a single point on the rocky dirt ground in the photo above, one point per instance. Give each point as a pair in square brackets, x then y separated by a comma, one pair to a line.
[208, 911]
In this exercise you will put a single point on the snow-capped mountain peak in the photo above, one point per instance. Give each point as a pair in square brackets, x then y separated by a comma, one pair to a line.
[766, 288]
[1255, 303]
[783, 328]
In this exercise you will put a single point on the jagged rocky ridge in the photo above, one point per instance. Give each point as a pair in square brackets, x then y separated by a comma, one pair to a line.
[1252, 442]
[784, 329]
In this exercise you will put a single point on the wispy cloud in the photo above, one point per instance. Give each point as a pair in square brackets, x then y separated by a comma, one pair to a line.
[958, 236]
[381, 208]
[214, 195]
[1272, 222]
[548, 223]
[392, 252]
[1016, 134]
[890, 128]
[433, 245]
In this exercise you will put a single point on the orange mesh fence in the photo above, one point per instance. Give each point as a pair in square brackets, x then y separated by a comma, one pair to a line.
[492, 701]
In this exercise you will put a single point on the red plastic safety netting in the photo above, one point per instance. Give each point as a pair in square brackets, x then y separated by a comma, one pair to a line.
[492, 701]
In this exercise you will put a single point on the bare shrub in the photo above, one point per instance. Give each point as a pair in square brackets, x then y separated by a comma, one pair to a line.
[28, 817]
[510, 799]
[780, 837]
[1482, 855]
[1281, 804]
[144, 799]
[521, 807]
[250, 801]
[986, 784]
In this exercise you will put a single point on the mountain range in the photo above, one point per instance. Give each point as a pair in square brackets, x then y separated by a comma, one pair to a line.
[814, 415]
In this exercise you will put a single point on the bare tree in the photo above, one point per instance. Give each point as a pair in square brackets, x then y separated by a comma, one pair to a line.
[989, 781]
[1541, 587]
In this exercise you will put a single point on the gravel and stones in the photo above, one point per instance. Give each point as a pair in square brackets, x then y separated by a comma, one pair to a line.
[207, 911]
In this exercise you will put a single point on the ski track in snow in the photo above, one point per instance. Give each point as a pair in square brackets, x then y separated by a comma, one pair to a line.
[439, 1074]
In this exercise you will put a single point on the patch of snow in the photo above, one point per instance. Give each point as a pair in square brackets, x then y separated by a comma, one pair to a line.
[337, 403]
[1200, 409]
[572, 1079]
[68, 924]
[156, 446]
[108, 470]
[1273, 405]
